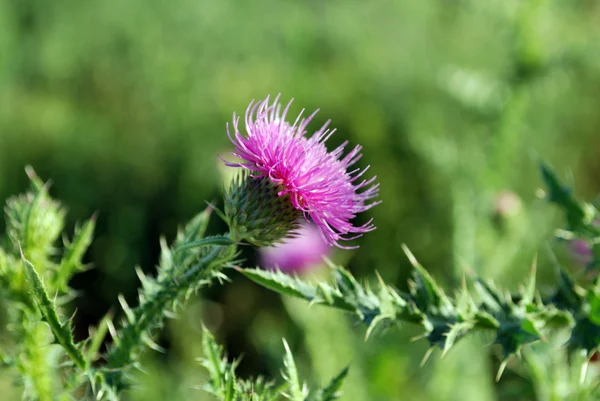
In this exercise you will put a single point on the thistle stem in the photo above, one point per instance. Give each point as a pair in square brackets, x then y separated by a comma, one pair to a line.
[150, 314]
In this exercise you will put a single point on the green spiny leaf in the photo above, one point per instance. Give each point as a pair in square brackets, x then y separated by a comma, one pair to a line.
[192, 232]
[446, 320]
[513, 334]
[281, 283]
[490, 297]
[98, 336]
[296, 391]
[71, 260]
[195, 229]
[213, 361]
[332, 390]
[424, 289]
[530, 288]
[485, 320]
[36, 181]
[457, 331]
[579, 215]
[62, 332]
[221, 241]
[34, 222]
[174, 284]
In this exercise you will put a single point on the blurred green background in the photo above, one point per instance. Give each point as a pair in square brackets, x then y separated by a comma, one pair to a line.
[123, 105]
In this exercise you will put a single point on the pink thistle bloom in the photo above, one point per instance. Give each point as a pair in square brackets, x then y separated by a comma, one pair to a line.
[318, 182]
[299, 253]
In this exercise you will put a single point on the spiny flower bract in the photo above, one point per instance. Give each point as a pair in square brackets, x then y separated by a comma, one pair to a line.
[319, 183]
[256, 214]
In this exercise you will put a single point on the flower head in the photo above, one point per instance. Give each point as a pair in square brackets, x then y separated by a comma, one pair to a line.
[297, 254]
[318, 183]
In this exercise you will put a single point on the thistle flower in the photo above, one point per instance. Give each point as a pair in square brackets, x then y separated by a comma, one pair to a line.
[299, 253]
[318, 183]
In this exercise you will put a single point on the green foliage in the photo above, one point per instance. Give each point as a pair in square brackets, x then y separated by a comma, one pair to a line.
[61, 331]
[516, 319]
[194, 260]
[581, 216]
[51, 365]
[332, 391]
[184, 269]
[224, 385]
[583, 303]
[295, 391]
[71, 263]
[449, 99]
[44, 344]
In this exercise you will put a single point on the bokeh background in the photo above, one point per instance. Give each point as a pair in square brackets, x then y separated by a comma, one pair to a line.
[123, 106]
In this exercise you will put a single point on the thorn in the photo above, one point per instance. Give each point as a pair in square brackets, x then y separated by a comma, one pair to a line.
[31, 174]
[538, 297]
[381, 282]
[426, 356]
[128, 312]
[370, 330]
[209, 209]
[139, 367]
[153, 345]
[501, 369]
[583, 373]
[413, 261]
[419, 337]
[140, 274]
[70, 320]
[65, 239]
[94, 217]
[113, 331]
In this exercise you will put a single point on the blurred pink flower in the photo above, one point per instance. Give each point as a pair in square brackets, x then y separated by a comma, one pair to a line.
[296, 254]
[581, 252]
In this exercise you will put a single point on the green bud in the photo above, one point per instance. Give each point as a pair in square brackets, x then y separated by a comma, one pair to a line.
[257, 214]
